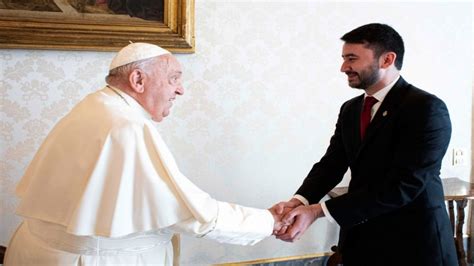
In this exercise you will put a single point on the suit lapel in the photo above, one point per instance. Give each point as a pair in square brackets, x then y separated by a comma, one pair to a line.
[356, 118]
[386, 110]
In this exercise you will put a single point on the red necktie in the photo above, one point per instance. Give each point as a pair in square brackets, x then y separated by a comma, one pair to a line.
[365, 116]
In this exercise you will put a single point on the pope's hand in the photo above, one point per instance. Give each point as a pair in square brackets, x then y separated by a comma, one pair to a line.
[277, 217]
[301, 217]
[283, 208]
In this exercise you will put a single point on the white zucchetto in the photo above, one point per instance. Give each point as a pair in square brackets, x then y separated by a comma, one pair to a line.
[136, 52]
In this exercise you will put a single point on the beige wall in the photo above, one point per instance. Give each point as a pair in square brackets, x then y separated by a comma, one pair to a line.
[263, 93]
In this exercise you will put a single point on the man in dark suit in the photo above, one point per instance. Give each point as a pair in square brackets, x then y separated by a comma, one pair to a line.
[394, 211]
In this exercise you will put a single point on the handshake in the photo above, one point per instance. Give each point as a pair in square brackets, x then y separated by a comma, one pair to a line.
[292, 218]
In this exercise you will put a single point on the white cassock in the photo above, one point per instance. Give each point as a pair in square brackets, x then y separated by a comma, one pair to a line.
[104, 189]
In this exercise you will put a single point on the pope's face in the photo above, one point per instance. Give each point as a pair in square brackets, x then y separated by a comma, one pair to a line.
[360, 66]
[162, 86]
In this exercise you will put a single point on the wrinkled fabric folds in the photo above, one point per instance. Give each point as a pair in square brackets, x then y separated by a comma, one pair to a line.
[111, 176]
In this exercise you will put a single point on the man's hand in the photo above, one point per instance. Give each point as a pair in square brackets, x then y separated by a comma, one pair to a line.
[302, 217]
[291, 204]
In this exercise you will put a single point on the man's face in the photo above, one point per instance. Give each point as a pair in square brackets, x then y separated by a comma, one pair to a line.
[162, 86]
[360, 66]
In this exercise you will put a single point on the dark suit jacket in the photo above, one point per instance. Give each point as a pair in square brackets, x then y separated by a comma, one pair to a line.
[394, 212]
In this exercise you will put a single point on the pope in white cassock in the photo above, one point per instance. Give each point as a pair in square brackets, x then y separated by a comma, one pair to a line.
[104, 189]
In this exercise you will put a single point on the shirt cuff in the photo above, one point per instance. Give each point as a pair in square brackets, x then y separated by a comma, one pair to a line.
[326, 213]
[240, 225]
[302, 199]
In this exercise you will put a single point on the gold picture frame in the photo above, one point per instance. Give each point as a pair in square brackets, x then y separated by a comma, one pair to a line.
[282, 260]
[70, 30]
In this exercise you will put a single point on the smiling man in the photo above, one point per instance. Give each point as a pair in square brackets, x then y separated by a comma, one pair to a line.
[393, 138]
[104, 189]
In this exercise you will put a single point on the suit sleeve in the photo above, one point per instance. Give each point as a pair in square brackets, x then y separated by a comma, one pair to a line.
[329, 171]
[423, 134]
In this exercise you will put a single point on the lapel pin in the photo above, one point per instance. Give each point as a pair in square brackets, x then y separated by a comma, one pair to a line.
[384, 113]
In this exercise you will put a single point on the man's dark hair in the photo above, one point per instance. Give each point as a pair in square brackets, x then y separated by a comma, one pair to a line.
[380, 38]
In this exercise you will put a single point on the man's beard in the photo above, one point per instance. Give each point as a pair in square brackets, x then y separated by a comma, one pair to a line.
[367, 77]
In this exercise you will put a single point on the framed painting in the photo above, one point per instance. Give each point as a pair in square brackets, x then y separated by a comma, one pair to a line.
[96, 25]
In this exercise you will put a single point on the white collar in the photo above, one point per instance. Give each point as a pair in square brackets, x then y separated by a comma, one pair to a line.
[130, 101]
[380, 95]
